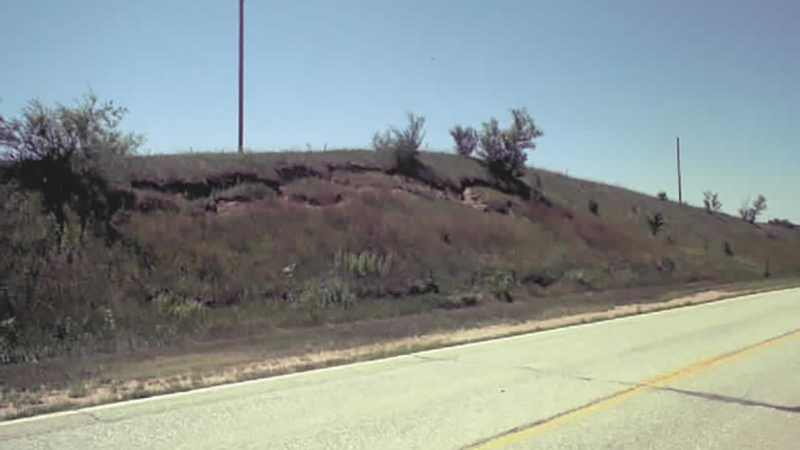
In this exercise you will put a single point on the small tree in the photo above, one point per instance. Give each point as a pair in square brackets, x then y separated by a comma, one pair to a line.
[750, 213]
[745, 211]
[65, 153]
[711, 201]
[466, 139]
[504, 150]
[759, 206]
[662, 196]
[404, 144]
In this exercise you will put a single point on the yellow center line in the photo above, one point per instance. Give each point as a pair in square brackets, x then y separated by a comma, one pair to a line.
[527, 430]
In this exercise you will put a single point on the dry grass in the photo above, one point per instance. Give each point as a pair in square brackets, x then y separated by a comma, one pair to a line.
[197, 369]
[217, 231]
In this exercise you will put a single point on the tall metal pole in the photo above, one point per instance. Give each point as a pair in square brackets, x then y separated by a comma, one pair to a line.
[680, 194]
[241, 76]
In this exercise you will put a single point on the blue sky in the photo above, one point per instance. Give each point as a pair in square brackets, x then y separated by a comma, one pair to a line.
[610, 82]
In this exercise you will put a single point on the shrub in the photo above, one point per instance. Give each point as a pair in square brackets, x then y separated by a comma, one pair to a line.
[655, 222]
[501, 283]
[504, 150]
[785, 223]
[542, 278]
[422, 286]
[594, 208]
[750, 213]
[728, 248]
[327, 294]
[662, 196]
[466, 140]
[172, 306]
[667, 264]
[403, 145]
[711, 202]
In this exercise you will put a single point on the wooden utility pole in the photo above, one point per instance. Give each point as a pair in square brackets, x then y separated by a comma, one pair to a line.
[241, 76]
[680, 194]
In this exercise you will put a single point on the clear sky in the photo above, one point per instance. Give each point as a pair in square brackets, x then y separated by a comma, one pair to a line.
[610, 82]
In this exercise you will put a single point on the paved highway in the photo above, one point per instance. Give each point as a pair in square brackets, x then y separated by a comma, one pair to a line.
[721, 375]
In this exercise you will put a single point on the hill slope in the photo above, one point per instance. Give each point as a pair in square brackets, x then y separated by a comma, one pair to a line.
[252, 216]
[223, 244]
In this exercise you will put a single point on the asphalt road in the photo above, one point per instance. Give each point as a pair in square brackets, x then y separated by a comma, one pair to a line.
[723, 375]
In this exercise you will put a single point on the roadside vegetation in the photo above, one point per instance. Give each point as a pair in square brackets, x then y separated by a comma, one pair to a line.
[104, 252]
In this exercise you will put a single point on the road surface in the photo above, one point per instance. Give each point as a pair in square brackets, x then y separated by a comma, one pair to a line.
[720, 375]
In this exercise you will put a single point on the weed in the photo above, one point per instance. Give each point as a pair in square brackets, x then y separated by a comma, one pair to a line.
[667, 264]
[138, 391]
[331, 293]
[363, 264]
[170, 305]
[77, 389]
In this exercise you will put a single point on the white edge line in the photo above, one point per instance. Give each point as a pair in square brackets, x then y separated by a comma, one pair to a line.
[267, 379]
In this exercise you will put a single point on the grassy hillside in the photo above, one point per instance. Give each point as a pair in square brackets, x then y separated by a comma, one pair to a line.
[226, 245]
